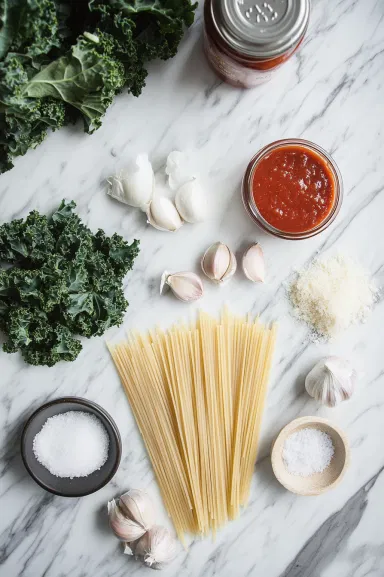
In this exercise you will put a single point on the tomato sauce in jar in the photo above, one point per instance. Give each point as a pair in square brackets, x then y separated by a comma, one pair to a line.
[246, 40]
[292, 189]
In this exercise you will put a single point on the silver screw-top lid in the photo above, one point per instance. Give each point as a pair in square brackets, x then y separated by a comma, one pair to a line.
[260, 29]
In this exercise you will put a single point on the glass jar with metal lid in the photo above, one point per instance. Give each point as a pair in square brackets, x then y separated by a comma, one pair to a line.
[245, 41]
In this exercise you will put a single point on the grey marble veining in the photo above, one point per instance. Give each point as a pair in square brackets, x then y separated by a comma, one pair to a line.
[331, 92]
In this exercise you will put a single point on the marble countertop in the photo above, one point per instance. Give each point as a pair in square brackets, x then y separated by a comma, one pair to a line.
[331, 92]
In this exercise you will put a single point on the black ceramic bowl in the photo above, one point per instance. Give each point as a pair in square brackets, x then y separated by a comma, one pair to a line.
[79, 486]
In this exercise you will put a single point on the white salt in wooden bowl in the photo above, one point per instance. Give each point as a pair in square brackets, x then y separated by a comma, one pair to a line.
[319, 482]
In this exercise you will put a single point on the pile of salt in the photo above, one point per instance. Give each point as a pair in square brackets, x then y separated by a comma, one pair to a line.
[72, 444]
[307, 452]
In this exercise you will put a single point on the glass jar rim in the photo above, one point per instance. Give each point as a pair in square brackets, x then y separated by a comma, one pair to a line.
[251, 206]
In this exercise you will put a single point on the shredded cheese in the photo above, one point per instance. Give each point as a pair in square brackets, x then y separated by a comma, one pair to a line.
[332, 294]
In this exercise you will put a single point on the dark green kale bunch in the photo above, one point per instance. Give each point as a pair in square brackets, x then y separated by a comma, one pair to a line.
[63, 60]
[65, 281]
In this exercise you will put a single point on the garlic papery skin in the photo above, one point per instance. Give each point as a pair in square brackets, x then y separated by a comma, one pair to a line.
[128, 549]
[134, 187]
[178, 169]
[219, 263]
[157, 547]
[138, 506]
[124, 528]
[186, 286]
[162, 214]
[331, 381]
[191, 202]
[253, 263]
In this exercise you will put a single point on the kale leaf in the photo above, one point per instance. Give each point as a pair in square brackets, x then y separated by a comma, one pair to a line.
[87, 78]
[29, 27]
[61, 60]
[65, 282]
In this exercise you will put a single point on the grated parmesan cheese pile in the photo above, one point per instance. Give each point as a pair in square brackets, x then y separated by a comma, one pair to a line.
[331, 294]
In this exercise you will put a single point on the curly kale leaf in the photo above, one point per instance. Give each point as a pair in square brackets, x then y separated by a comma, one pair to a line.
[23, 121]
[28, 242]
[65, 282]
[87, 78]
[61, 60]
[29, 27]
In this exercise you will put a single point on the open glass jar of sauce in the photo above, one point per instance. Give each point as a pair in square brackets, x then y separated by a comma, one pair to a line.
[292, 189]
[246, 40]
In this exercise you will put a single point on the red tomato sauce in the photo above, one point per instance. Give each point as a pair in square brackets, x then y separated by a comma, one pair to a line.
[293, 188]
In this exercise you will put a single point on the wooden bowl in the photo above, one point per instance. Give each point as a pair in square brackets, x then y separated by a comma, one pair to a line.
[319, 482]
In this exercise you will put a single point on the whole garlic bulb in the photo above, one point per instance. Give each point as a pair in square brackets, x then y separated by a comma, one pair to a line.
[331, 381]
[191, 202]
[219, 263]
[157, 547]
[138, 506]
[124, 528]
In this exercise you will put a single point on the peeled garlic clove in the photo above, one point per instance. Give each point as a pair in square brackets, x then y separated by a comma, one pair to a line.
[191, 202]
[157, 547]
[331, 381]
[134, 187]
[253, 263]
[162, 214]
[138, 506]
[219, 263]
[124, 528]
[186, 286]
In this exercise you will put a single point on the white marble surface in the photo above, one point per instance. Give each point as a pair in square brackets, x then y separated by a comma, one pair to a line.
[331, 93]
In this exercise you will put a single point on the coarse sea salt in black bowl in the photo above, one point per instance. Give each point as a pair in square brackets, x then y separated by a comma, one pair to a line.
[66, 486]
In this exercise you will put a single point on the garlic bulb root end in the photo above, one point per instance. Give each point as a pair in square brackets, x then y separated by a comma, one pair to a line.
[157, 547]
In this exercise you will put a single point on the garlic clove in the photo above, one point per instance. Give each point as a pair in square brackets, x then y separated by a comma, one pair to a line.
[134, 187]
[219, 263]
[331, 381]
[162, 214]
[157, 547]
[124, 528]
[254, 264]
[186, 286]
[138, 506]
[191, 202]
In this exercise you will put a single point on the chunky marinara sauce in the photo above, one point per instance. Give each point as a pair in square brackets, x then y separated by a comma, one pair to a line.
[293, 188]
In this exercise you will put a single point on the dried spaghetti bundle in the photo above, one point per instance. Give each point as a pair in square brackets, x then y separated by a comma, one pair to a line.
[197, 393]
